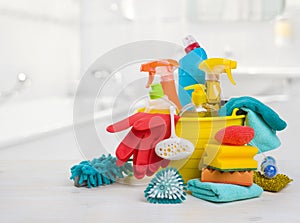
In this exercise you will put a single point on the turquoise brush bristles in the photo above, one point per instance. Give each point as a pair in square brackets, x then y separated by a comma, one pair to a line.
[99, 171]
[167, 187]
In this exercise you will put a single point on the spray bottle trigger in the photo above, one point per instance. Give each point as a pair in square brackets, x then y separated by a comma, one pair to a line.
[150, 80]
[195, 87]
[168, 64]
[229, 74]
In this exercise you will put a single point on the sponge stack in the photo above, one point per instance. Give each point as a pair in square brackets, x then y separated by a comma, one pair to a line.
[231, 161]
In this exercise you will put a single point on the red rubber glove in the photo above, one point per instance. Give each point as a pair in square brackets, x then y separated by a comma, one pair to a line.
[147, 130]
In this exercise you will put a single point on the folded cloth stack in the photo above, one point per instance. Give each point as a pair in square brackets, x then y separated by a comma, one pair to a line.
[227, 173]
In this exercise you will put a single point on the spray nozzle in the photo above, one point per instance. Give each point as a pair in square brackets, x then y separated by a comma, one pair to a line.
[163, 68]
[216, 66]
[198, 95]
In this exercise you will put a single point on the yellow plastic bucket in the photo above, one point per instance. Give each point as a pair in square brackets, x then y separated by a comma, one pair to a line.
[201, 131]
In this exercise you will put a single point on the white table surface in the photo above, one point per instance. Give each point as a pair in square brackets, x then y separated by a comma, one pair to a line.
[40, 191]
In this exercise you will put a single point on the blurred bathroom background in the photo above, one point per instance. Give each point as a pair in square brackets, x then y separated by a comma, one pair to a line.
[46, 47]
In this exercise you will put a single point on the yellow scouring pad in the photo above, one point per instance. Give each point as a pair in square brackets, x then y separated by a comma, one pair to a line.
[229, 158]
[274, 184]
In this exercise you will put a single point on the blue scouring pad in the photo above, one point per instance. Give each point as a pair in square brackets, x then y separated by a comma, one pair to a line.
[99, 171]
[167, 187]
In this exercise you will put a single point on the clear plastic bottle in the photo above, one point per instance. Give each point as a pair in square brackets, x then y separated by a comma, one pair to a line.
[164, 68]
[158, 102]
[213, 68]
[198, 107]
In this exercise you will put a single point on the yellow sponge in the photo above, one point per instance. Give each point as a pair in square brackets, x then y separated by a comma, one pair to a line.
[229, 158]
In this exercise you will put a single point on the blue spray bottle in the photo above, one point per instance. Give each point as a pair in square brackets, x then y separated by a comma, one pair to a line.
[188, 72]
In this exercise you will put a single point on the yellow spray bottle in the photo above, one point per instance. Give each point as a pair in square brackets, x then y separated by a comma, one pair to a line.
[213, 67]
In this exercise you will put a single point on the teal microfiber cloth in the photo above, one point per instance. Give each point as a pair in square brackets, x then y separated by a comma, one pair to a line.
[265, 138]
[220, 193]
[268, 115]
[167, 187]
[99, 171]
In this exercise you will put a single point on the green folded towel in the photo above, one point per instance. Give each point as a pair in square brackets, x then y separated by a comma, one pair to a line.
[218, 192]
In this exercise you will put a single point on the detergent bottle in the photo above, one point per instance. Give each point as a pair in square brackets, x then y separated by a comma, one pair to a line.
[165, 69]
[213, 67]
[188, 71]
[198, 107]
[158, 102]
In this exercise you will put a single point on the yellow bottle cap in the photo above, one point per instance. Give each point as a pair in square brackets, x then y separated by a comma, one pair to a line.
[198, 95]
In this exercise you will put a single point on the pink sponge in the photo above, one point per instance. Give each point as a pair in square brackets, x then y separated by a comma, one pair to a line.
[235, 135]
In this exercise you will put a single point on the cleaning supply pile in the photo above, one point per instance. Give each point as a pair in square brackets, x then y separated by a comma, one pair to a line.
[190, 140]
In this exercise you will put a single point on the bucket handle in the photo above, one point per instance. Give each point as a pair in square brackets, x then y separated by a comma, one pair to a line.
[238, 112]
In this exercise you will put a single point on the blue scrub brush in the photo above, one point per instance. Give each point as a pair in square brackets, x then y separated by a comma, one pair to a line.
[167, 187]
[99, 171]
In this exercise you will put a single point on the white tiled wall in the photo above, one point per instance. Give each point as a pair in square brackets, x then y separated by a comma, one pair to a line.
[41, 39]
[106, 25]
